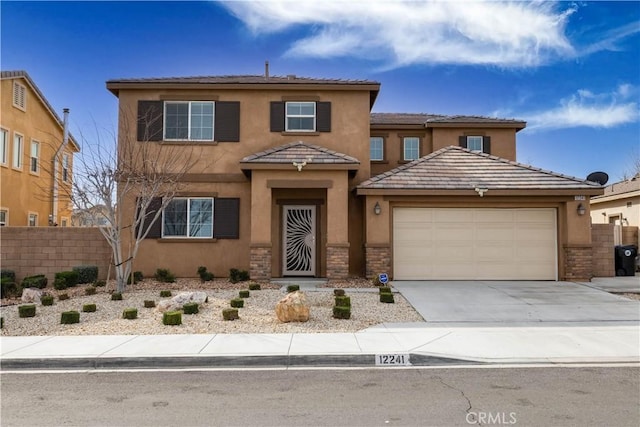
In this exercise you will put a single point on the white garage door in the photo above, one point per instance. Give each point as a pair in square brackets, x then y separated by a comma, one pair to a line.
[474, 244]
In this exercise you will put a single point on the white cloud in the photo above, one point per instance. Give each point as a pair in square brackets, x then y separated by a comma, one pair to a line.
[505, 34]
[588, 109]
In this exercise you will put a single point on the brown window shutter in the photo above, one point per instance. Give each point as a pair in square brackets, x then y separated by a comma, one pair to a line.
[323, 116]
[462, 140]
[150, 120]
[227, 126]
[226, 218]
[155, 228]
[277, 116]
[486, 144]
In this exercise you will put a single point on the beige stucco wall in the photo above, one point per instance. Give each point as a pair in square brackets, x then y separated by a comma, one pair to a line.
[22, 191]
[503, 141]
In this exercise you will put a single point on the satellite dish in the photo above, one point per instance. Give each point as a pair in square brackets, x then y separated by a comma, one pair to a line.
[599, 177]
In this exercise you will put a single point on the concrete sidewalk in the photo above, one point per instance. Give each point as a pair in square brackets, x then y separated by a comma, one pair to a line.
[423, 345]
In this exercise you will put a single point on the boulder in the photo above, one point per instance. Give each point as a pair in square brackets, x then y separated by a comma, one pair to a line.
[31, 295]
[293, 308]
[181, 299]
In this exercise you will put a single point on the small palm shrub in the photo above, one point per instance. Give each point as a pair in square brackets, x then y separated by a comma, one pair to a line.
[27, 310]
[116, 296]
[343, 301]
[341, 312]
[230, 314]
[190, 308]
[130, 313]
[165, 276]
[63, 296]
[135, 277]
[165, 294]
[70, 317]
[244, 294]
[149, 303]
[46, 300]
[205, 276]
[172, 318]
[254, 286]
[236, 275]
[89, 308]
[387, 298]
[237, 303]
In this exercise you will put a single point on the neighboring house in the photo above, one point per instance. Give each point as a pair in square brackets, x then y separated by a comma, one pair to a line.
[298, 178]
[95, 216]
[31, 148]
[619, 205]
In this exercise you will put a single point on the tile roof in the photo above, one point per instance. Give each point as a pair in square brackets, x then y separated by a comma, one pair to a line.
[427, 119]
[456, 168]
[243, 79]
[622, 187]
[21, 74]
[300, 151]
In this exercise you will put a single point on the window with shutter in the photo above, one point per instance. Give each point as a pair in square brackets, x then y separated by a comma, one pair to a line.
[300, 116]
[477, 143]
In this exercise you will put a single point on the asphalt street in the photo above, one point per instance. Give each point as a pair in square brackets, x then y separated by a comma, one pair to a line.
[558, 396]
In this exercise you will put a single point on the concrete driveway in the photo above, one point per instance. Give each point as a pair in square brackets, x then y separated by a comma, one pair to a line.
[516, 302]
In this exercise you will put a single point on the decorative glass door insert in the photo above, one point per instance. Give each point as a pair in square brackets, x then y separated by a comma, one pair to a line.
[299, 229]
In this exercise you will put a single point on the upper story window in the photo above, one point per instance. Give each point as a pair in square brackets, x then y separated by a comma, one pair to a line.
[19, 96]
[4, 146]
[188, 217]
[18, 147]
[411, 148]
[185, 121]
[188, 120]
[376, 148]
[476, 143]
[65, 167]
[34, 164]
[301, 117]
[4, 214]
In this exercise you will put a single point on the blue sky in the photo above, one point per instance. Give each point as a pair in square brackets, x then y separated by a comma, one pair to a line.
[570, 69]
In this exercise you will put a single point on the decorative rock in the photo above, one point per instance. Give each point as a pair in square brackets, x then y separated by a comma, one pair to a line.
[293, 308]
[177, 302]
[31, 294]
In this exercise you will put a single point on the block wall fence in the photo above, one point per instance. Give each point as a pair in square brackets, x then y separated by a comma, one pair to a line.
[602, 247]
[48, 250]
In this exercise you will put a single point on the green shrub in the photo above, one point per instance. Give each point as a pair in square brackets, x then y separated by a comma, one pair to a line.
[6, 273]
[244, 294]
[164, 275]
[387, 297]
[116, 296]
[59, 284]
[172, 318]
[27, 310]
[341, 312]
[293, 288]
[46, 300]
[100, 283]
[254, 286]
[8, 288]
[86, 273]
[89, 308]
[230, 314]
[135, 277]
[70, 277]
[338, 292]
[149, 303]
[90, 290]
[237, 303]
[376, 281]
[205, 276]
[63, 296]
[343, 301]
[385, 290]
[38, 281]
[190, 308]
[236, 275]
[130, 313]
[165, 294]
[69, 317]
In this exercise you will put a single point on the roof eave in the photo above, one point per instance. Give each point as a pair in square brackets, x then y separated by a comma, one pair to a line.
[290, 166]
[509, 125]
[360, 191]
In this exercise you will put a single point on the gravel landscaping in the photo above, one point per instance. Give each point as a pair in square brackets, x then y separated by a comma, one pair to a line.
[257, 316]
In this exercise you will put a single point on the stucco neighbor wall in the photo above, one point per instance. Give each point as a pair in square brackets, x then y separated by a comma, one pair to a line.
[48, 250]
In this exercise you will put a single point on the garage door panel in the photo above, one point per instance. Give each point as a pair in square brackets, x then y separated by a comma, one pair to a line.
[474, 244]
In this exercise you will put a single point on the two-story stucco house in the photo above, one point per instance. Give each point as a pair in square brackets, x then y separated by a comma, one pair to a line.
[36, 162]
[298, 178]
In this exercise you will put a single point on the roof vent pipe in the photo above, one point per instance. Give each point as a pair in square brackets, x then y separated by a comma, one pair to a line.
[266, 70]
[53, 218]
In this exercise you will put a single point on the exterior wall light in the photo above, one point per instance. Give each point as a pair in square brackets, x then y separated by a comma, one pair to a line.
[581, 209]
[377, 209]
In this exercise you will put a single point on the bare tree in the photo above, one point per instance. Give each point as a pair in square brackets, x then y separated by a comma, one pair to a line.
[121, 181]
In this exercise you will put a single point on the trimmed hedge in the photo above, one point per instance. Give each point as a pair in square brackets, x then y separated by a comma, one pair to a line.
[341, 312]
[46, 299]
[237, 303]
[38, 281]
[343, 301]
[90, 290]
[387, 298]
[230, 314]
[244, 294]
[385, 290]
[89, 308]
[236, 275]
[172, 318]
[254, 286]
[62, 297]
[27, 310]
[7, 273]
[116, 296]
[69, 317]
[293, 288]
[71, 278]
[8, 288]
[59, 284]
[86, 273]
[338, 292]
[190, 308]
[130, 313]
[149, 303]
[165, 294]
